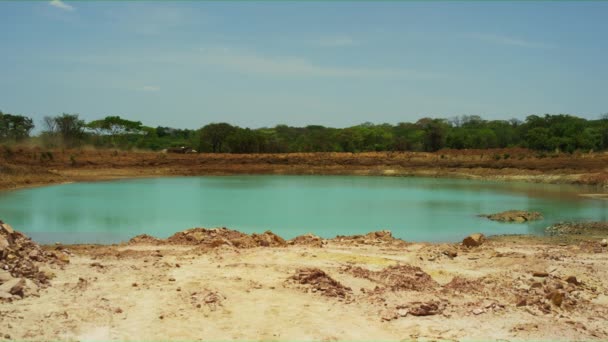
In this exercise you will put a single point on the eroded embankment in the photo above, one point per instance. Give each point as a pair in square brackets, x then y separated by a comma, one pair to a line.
[32, 167]
[223, 284]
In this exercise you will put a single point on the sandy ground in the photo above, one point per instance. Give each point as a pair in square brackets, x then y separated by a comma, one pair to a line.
[173, 292]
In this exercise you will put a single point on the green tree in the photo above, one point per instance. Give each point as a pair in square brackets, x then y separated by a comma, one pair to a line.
[213, 136]
[14, 127]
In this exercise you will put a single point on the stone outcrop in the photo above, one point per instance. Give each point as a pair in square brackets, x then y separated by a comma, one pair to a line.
[474, 240]
[515, 216]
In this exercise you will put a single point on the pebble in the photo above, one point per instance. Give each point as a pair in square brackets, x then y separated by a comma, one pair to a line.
[604, 243]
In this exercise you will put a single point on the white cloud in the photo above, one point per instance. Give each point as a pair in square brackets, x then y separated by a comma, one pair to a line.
[336, 41]
[250, 62]
[62, 5]
[504, 40]
[149, 88]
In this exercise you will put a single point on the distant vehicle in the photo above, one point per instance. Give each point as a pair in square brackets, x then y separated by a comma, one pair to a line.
[183, 149]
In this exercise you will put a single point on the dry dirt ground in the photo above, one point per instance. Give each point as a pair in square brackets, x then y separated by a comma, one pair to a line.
[366, 288]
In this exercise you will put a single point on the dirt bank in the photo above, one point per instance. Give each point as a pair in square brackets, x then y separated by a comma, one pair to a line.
[220, 284]
[32, 167]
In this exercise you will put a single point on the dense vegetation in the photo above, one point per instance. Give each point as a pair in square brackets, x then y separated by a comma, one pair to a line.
[561, 132]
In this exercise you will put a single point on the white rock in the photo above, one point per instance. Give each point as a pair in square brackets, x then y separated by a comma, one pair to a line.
[604, 243]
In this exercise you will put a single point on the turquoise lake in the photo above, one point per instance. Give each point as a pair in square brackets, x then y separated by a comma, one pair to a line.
[414, 209]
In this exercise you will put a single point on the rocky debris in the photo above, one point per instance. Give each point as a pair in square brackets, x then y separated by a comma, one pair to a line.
[212, 238]
[309, 239]
[144, 239]
[578, 228]
[318, 281]
[464, 285]
[268, 239]
[423, 308]
[382, 238]
[20, 258]
[211, 299]
[550, 294]
[474, 240]
[517, 216]
[396, 278]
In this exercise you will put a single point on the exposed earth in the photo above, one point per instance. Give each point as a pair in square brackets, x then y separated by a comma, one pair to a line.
[22, 167]
[220, 284]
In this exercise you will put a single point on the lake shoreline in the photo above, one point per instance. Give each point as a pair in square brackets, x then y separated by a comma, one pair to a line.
[24, 169]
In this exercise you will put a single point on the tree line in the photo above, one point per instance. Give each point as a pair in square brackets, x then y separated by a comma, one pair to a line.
[561, 132]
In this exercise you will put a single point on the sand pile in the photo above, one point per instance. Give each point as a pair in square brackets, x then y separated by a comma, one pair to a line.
[19, 260]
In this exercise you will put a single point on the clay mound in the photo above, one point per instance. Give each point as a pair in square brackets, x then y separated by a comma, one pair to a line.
[398, 277]
[309, 239]
[212, 238]
[268, 239]
[518, 216]
[381, 237]
[144, 239]
[319, 281]
[19, 256]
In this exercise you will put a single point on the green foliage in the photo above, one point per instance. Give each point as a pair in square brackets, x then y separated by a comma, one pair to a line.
[547, 133]
[14, 128]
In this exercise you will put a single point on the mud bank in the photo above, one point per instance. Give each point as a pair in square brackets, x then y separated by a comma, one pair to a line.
[27, 167]
[220, 284]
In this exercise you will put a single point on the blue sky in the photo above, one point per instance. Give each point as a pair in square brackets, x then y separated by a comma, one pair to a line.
[255, 64]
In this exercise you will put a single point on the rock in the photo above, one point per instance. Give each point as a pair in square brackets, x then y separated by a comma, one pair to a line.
[450, 253]
[426, 309]
[64, 258]
[517, 216]
[556, 297]
[522, 302]
[478, 311]
[474, 240]
[572, 280]
[604, 243]
[540, 274]
[7, 228]
[14, 286]
[6, 296]
[35, 255]
[3, 243]
[5, 276]
[30, 288]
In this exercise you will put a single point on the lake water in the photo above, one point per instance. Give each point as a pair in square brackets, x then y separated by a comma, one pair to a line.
[415, 209]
